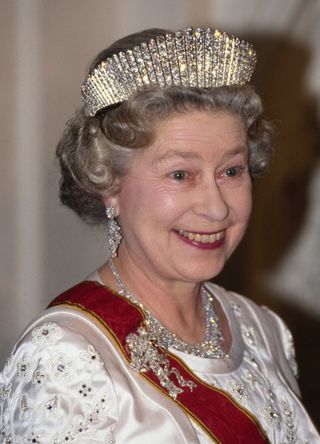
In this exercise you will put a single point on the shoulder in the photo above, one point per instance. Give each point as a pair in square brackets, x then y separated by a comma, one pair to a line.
[56, 384]
[271, 331]
[239, 302]
[250, 310]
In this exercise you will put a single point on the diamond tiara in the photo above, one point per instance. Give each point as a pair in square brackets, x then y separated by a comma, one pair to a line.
[198, 58]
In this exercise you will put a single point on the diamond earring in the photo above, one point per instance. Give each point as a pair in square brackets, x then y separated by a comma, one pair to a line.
[113, 231]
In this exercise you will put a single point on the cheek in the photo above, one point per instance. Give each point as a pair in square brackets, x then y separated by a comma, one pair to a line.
[247, 205]
[242, 204]
[146, 200]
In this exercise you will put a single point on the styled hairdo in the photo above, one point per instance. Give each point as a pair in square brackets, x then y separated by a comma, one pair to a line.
[93, 151]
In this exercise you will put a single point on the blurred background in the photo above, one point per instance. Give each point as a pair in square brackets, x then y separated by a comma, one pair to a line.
[46, 47]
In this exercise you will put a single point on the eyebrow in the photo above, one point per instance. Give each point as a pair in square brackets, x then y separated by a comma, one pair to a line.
[176, 153]
[190, 155]
[238, 150]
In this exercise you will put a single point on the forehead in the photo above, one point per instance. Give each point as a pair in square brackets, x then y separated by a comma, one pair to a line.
[198, 133]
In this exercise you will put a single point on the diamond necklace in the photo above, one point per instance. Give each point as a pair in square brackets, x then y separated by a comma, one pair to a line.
[211, 347]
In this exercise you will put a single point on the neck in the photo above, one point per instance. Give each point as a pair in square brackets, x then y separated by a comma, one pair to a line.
[177, 305]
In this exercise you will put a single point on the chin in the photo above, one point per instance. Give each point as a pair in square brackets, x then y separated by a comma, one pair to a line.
[202, 274]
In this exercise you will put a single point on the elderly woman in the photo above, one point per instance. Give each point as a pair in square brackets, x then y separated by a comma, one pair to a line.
[147, 350]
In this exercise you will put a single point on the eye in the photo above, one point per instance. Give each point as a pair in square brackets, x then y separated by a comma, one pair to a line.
[233, 171]
[179, 175]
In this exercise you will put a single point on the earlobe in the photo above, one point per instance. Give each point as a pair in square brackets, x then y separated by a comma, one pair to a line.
[112, 201]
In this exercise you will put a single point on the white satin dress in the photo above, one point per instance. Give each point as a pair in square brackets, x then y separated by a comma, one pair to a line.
[66, 382]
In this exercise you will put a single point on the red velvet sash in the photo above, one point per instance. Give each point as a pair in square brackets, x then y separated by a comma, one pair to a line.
[213, 410]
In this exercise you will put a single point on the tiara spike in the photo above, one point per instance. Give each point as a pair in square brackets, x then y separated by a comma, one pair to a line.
[164, 59]
[199, 38]
[233, 60]
[191, 56]
[225, 49]
[152, 44]
[173, 59]
[124, 66]
[148, 63]
[105, 88]
[198, 58]
[208, 47]
[142, 70]
[134, 68]
[120, 77]
[218, 61]
[182, 57]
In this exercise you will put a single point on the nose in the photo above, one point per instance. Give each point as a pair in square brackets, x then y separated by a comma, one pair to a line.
[210, 201]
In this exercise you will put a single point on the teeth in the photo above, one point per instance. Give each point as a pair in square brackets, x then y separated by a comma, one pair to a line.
[202, 238]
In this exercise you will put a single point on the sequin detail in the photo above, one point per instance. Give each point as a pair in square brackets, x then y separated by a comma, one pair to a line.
[60, 367]
[5, 391]
[94, 417]
[35, 437]
[91, 357]
[46, 334]
[25, 408]
[25, 367]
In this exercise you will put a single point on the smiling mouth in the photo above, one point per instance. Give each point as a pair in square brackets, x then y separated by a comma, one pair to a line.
[202, 238]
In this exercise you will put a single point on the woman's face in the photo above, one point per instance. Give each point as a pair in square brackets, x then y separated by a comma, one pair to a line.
[185, 204]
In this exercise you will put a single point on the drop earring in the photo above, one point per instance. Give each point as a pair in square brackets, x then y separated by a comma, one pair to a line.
[113, 231]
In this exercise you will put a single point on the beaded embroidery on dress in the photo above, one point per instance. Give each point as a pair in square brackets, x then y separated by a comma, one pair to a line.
[46, 386]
